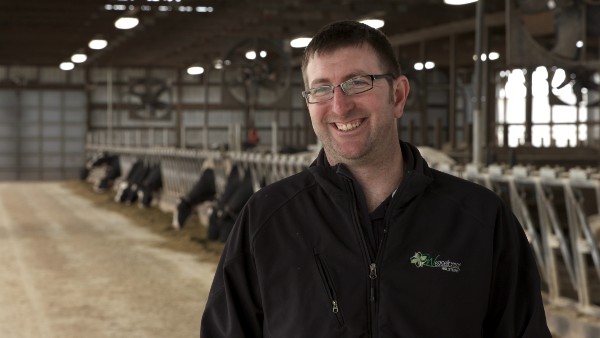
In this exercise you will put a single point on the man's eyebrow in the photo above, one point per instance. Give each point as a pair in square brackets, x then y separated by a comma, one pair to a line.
[319, 82]
[323, 81]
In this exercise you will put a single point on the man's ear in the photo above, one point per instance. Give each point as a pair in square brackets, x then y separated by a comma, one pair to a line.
[400, 94]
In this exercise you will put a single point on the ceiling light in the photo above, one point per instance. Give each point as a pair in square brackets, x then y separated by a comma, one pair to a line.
[579, 44]
[429, 65]
[375, 23]
[127, 22]
[250, 55]
[493, 56]
[79, 57]
[300, 42]
[203, 9]
[458, 2]
[482, 57]
[418, 66]
[97, 43]
[66, 66]
[263, 54]
[195, 70]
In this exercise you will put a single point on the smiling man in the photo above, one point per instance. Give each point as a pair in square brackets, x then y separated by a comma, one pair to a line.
[370, 241]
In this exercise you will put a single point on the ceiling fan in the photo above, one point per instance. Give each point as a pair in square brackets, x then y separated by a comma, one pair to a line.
[150, 98]
[256, 72]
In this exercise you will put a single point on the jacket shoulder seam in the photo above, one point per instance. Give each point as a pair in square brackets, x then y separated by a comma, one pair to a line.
[275, 210]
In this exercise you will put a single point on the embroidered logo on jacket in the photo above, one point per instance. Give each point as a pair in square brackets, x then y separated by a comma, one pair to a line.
[422, 259]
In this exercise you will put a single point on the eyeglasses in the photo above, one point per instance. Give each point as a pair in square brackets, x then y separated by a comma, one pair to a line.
[356, 85]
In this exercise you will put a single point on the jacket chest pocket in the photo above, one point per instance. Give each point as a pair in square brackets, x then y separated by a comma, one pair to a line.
[329, 288]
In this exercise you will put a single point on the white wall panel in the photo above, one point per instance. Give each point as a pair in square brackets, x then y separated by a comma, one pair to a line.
[99, 94]
[30, 98]
[50, 146]
[75, 115]
[7, 175]
[7, 99]
[52, 174]
[75, 147]
[29, 175]
[8, 130]
[193, 94]
[218, 136]
[298, 118]
[51, 98]
[264, 118]
[193, 118]
[50, 131]
[225, 118]
[30, 114]
[98, 118]
[7, 162]
[51, 114]
[284, 118]
[73, 131]
[30, 146]
[30, 161]
[7, 146]
[74, 99]
[51, 161]
[30, 130]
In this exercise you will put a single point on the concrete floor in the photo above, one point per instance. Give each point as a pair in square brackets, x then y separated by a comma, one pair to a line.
[72, 270]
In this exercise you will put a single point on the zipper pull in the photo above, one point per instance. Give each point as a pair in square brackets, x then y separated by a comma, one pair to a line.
[335, 307]
[373, 273]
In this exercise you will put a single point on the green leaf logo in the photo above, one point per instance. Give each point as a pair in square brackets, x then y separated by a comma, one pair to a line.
[418, 259]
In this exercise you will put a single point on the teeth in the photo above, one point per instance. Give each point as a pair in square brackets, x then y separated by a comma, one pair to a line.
[347, 126]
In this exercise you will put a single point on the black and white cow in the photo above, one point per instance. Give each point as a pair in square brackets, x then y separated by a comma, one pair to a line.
[204, 190]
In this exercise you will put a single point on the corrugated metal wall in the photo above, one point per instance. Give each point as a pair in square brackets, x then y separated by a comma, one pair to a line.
[42, 134]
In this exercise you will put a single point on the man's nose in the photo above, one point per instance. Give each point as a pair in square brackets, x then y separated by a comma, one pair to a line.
[342, 103]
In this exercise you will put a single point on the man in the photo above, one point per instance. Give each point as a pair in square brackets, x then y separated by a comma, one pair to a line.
[371, 242]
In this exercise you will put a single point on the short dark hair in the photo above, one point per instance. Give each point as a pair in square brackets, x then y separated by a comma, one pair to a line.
[352, 33]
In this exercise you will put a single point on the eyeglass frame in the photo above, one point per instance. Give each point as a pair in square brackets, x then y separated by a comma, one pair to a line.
[373, 77]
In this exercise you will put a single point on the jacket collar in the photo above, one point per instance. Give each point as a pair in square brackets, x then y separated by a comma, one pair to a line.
[417, 175]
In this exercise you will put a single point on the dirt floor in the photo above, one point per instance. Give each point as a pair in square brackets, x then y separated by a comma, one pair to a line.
[191, 239]
[77, 264]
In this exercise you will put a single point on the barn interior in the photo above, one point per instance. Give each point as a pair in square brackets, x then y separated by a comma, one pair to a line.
[503, 92]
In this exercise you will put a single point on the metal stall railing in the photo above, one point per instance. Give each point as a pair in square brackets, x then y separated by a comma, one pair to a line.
[560, 214]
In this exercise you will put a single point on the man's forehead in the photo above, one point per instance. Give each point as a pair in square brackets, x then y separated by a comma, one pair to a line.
[345, 61]
[350, 49]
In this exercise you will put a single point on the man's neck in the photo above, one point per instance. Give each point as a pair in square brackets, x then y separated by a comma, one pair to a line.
[378, 180]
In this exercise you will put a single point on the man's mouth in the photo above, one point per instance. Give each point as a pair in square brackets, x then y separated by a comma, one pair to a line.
[348, 126]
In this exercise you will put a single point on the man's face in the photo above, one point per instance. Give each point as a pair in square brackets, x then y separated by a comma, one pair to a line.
[360, 128]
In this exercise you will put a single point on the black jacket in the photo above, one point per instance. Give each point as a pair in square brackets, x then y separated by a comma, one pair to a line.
[453, 262]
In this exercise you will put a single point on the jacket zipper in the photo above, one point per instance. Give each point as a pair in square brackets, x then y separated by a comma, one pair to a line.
[371, 261]
[329, 288]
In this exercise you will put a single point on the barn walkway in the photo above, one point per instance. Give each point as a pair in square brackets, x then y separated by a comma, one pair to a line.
[72, 270]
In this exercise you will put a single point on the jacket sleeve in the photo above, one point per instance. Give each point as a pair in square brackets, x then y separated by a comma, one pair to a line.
[515, 305]
[233, 308]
